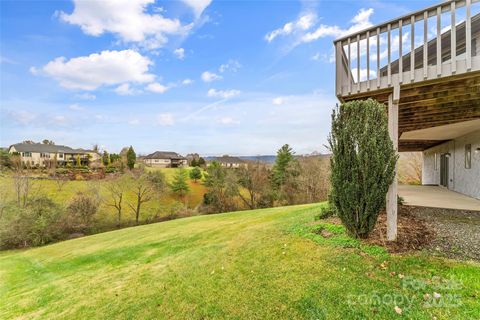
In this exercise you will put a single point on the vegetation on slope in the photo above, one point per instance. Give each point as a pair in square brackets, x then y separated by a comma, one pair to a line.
[252, 264]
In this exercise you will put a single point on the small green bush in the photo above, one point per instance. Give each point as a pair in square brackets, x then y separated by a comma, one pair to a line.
[81, 210]
[39, 223]
[325, 212]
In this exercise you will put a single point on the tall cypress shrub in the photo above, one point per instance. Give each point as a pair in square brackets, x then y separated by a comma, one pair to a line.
[362, 164]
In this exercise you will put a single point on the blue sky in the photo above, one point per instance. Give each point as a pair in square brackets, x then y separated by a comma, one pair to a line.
[214, 77]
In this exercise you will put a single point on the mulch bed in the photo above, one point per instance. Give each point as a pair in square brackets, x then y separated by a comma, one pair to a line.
[413, 233]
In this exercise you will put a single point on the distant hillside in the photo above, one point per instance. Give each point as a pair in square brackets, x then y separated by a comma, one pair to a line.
[270, 159]
[265, 159]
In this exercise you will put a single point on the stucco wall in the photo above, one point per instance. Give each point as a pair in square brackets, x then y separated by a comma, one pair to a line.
[466, 181]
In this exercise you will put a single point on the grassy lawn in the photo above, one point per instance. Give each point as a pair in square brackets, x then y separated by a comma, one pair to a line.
[262, 264]
[106, 213]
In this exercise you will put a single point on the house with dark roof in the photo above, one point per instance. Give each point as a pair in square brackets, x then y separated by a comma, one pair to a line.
[39, 154]
[165, 159]
[227, 161]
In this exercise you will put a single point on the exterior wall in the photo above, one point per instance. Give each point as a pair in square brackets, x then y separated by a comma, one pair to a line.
[467, 181]
[462, 180]
[163, 163]
[37, 158]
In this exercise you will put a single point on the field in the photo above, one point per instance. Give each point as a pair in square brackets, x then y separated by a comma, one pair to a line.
[106, 213]
[261, 264]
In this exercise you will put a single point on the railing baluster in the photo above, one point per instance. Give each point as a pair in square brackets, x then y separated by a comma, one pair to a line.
[453, 43]
[389, 50]
[412, 49]
[368, 60]
[378, 57]
[400, 54]
[468, 35]
[439, 41]
[349, 69]
[339, 58]
[425, 44]
[358, 62]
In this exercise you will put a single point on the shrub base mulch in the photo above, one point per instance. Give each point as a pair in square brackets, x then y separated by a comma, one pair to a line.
[413, 233]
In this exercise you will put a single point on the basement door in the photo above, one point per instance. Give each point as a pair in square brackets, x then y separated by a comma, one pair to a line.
[444, 170]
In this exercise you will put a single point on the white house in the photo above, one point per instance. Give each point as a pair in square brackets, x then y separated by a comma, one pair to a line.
[165, 159]
[39, 154]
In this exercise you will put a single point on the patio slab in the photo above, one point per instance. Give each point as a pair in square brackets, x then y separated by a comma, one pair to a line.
[437, 197]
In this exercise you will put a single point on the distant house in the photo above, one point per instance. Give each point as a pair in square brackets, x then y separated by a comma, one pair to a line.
[40, 154]
[165, 159]
[230, 162]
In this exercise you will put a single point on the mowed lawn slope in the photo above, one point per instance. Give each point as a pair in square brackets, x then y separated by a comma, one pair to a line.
[242, 265]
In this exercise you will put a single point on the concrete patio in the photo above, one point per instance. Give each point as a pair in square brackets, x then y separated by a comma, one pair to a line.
[437, 197]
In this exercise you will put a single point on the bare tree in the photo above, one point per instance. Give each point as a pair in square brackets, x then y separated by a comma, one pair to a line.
[410, 168]
[61, 182]
[22, 186]
[144, 192]
[116, 189]
[4, 196]
[313, 180]
[254, 178]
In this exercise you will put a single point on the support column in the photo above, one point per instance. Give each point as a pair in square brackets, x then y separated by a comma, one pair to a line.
[392, 190]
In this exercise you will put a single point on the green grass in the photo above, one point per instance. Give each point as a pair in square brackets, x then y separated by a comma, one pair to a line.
[261, 264]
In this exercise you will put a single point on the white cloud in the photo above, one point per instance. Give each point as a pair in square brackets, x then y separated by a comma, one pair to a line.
[278, 101]
[157, 87]
[127, 19]
[198, 6]
[187, 81]
[303, 23]
[179, 53]
[85, 96]
[125, 90]
[165, 119]
[359, 22]
[134, 122]
[363, 74]
[98, 69]
[227, 120]
[225, 94]
[59, 119]
[231, 65]
[23, 117]
[208, 76]
[76, 107]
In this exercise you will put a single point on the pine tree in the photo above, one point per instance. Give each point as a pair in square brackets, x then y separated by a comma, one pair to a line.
[131, 158]
[105, 158]
[179, 185]
[285, 157]
[196, 174]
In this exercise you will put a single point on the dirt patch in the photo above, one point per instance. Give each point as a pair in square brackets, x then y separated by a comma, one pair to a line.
[413, 233]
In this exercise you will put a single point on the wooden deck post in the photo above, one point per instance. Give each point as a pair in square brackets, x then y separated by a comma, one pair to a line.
[392, 190]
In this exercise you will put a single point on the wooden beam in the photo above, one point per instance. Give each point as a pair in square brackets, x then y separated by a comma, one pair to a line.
[392, 190]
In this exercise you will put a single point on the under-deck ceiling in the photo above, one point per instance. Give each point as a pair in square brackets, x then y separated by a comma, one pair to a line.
[431, 104]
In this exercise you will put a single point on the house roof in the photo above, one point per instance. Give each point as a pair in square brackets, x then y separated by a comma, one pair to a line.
[229, 159]
[164, 155]
[40, 147]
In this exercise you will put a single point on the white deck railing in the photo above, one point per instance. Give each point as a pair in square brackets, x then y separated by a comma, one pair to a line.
[450, 29]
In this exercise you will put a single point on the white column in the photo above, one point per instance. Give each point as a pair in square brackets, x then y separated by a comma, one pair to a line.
[392, 190]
